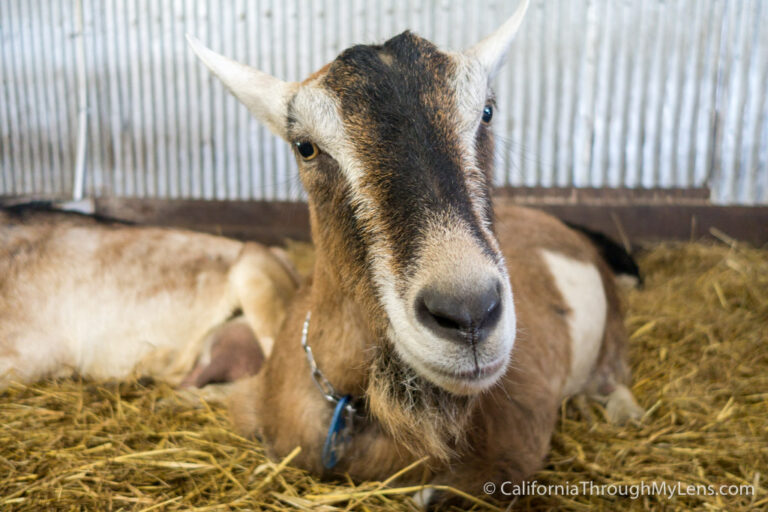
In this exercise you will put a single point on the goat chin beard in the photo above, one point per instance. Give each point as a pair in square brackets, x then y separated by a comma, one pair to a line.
[422, 417]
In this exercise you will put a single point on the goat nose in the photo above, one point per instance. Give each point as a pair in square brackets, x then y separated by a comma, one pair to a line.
[464, 317]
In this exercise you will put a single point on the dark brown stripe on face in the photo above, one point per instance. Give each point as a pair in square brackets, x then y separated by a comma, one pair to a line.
[338, 223]
[400, 112]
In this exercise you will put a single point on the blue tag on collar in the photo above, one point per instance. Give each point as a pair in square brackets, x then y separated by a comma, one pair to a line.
[337, 434]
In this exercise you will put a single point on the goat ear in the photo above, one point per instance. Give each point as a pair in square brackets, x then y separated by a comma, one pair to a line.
[265, 96]
[492, 50]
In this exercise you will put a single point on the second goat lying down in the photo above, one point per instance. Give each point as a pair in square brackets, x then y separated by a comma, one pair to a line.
[410, 318]
[109, 300]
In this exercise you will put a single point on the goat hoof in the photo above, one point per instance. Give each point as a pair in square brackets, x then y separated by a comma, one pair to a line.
[621, 406]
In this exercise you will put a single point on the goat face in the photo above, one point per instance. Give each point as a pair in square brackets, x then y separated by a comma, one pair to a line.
[404, 169]
[394, 149]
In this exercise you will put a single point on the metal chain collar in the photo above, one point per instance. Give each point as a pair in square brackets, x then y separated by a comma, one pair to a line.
[344, 410]
[325, 387]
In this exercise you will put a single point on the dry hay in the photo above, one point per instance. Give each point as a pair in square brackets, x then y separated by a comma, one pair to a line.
[700, 357]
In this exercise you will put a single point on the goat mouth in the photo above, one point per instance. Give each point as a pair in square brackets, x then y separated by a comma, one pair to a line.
[476, 374]
[470, 376]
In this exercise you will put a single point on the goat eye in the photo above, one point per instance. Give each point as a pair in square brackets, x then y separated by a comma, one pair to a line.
[307, 150]
[487, 114]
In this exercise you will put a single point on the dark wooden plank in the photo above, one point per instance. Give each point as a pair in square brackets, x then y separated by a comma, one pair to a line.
[273, 222]
[641, 223]
[560, 195]
[269, 222]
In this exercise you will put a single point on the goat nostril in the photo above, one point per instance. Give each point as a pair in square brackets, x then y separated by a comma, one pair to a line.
[492, 314]
[460, 316]
[444, 321]
[446, 311]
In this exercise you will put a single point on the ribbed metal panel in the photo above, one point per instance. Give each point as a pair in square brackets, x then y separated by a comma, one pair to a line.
[596, 93]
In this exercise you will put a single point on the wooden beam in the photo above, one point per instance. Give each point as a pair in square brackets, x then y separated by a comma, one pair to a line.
[640, 223]
[270, 222]
[573, 195]
[273, 222]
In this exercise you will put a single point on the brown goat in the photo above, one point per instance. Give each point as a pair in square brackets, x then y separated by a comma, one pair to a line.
[110, 300]
[412, 310]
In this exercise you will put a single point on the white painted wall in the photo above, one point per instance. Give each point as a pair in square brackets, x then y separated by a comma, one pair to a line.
[618, 93]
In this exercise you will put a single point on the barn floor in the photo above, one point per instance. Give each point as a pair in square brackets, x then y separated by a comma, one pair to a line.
[699, 351]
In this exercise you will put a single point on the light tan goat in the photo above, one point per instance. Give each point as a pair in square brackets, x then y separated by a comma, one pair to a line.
[410, 318]
[109, 300]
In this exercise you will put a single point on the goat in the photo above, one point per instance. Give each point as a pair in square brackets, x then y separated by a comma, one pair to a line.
[111, 300]
[408, 325]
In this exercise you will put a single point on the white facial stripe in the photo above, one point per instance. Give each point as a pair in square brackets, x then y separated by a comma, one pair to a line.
[581, 286]
[471, 86]
[318, 114]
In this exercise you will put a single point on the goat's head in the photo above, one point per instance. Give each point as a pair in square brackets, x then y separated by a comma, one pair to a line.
[394, 148]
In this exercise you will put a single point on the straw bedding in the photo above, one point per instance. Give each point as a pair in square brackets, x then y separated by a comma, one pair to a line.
[699, 352]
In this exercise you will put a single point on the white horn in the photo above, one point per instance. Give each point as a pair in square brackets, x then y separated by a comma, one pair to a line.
[265, 96]
[492, 50]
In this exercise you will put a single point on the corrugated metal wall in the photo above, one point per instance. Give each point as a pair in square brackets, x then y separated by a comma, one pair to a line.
[596, 93]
